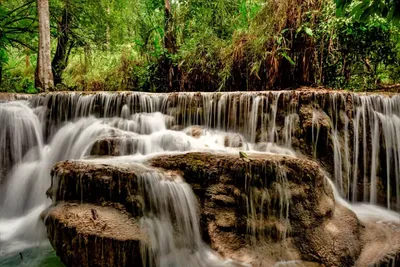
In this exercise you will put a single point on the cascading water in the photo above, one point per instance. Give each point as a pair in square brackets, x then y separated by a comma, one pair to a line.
[172, 224]
[19, 133]
[49, 128]
[22, 198]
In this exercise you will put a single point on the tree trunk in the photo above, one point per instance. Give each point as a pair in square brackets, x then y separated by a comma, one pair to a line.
[169, 44]
[44, 75]
[60, 59]
[169, 39]
[108, 27]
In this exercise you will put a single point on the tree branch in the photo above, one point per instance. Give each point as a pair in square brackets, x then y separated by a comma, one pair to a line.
[18, 8]
[12, 40]
[17, 29]
[19, 19]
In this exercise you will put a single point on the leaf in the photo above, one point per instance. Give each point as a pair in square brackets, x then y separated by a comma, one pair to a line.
[394, 13]
[242, 155]
[367, 13]
[284, 30]
[288, 58]
[308, 31]
[341, 5]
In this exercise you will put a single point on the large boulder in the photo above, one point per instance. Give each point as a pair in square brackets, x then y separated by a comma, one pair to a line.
[265, 199]
[96, 182]
[86, 235]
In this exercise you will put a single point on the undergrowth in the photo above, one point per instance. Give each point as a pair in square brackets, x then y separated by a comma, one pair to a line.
[227, 45]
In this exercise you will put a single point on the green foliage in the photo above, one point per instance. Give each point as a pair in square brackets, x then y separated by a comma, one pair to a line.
[18, 76]
[365, 9]
[218, 45]
[100, 71]
[359, 54]
[17, 24]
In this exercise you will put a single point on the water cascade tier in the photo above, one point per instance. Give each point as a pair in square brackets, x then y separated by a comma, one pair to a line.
[285, 178]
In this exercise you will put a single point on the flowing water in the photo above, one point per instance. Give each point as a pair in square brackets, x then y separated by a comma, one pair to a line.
[172, 205]
[42, 130]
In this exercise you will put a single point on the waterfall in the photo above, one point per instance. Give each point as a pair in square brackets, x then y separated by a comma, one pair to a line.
[171, 221]
[356, 137]
[20, 132]
[273, 203]
[23, 196]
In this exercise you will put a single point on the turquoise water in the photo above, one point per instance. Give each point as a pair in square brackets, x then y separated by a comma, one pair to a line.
[34, 257]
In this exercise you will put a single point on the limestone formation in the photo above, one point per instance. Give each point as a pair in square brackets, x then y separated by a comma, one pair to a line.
[257, 210]
[94, 182]
[334, 127]
[86, 235]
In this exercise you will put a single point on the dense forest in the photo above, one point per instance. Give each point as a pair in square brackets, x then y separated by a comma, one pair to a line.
[198, 45]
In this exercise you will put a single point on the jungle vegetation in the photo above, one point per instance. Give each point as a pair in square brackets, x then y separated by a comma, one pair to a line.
[198, 45]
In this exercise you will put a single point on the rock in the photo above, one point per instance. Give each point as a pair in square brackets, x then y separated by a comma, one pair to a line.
[381, 244]
[6, 97]
[335, 239]
[111, 238]
[94, 182]
[226, 219]
[194, 131]
[114, 146]
[257, 210]
[130, 145]
[233, 140]
[311, 217]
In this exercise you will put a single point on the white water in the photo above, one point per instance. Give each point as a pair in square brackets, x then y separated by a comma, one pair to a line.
[366, 212]
[20, 130]
[43, 138]
[23, 195]
[172, 223]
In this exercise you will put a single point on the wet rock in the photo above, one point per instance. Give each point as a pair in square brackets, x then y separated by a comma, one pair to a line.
[194, 131]
[226, 219]
[114, 146]
[6, 97]
[265, 183]
[94, 182]
[334, 239]
[169, 121]
[256, 210]
[381, 244]
[233, 140]
[86, 235]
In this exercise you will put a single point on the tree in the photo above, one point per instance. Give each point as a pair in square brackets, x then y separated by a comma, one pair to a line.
[17, 28]
[85, 24]
[64, 44]
[389, 9]
[169, 39]
[44, 74]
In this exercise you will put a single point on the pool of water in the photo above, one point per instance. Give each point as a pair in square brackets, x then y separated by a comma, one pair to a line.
[34, 257]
